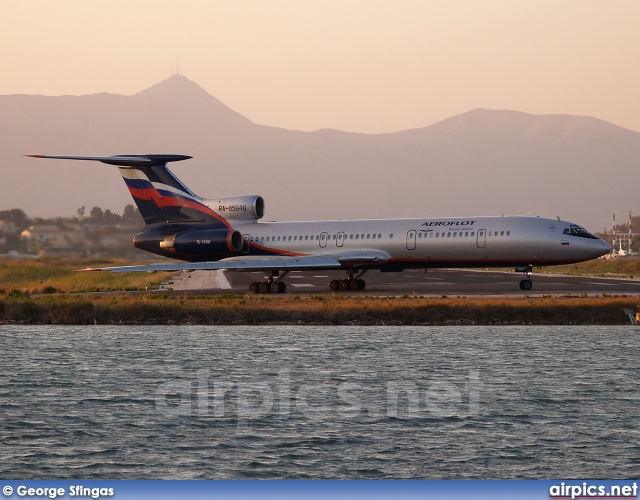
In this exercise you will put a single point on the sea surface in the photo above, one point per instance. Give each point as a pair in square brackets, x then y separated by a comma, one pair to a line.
[221, 402]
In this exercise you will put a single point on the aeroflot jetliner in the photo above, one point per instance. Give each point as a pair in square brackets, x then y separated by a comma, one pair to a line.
[224, 233]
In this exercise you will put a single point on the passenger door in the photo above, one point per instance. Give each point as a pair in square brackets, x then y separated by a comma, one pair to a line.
[411, 240]
[323, 240]
[340, 239]
[481, 240]
[245, 243]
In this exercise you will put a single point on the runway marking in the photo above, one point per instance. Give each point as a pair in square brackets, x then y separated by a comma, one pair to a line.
[321, 276]
[421, 284]
[221, 280]
[597, 283]
[301, 284]
[296, 277]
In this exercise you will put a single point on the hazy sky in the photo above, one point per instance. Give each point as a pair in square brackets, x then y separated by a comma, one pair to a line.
[363, 66]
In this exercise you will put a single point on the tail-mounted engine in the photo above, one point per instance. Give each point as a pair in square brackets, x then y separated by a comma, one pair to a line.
[238, 208]
[208, 244]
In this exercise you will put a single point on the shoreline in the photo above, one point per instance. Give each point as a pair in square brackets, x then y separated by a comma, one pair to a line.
[234, 309]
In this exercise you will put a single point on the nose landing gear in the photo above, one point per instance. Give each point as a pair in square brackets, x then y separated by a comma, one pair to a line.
[526, 284]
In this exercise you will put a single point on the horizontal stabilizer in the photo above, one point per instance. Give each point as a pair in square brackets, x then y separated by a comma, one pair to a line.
[122, 160]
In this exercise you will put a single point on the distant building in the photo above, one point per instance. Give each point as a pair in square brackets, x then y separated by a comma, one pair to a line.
[7, 226]
[52, 237]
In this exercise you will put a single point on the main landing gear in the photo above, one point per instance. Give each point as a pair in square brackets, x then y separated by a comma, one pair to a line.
[350, 283]
[274, 284]
[526, 284]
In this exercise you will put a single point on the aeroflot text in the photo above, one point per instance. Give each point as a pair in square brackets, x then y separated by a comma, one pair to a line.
[74, 491]
[450, 223]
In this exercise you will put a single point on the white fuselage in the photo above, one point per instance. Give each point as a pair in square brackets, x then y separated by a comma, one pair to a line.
[433, 242]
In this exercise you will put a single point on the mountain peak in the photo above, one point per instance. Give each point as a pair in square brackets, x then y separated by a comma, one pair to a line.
[175, 85]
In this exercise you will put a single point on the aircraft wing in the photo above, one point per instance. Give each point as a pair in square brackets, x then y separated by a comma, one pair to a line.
[338, 260]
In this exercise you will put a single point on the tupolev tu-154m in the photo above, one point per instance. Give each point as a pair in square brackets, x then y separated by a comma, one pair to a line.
[226, 234]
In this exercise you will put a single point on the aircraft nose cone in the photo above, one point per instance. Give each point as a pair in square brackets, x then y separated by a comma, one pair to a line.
[601, 248]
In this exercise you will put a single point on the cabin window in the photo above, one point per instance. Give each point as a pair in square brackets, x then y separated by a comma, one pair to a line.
[351, 236]
[454, 234]
[306, 237]
[289, 238]
[369, 236]
[501, 233]
[508, 233]
[466, 234]
[295, 238]
[472, 233]
[391, 235]
[374, 236]
[357, 236]
[448, 235]
[278, 238]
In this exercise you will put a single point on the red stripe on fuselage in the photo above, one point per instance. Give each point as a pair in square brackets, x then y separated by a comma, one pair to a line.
[480, 262]
[279, 252]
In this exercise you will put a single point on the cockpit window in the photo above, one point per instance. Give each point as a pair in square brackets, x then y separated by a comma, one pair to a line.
[575, 230]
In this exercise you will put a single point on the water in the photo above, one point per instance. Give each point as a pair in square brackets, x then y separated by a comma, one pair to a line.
[319, 402]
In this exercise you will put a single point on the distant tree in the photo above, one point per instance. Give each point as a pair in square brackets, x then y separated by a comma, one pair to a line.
[130, 214]
[80, 211]
[17, 216]
[111, 218]
[97, 215]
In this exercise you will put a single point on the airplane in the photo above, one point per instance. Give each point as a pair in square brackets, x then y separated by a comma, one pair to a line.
[227, 234]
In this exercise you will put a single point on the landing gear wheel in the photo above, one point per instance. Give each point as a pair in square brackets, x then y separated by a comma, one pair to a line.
[254, 287]
[345, 285]
[282, 286]
[354, 285]
[526, 285]
[274, 287]
[264, 287]
[334, 285]
[361, 284]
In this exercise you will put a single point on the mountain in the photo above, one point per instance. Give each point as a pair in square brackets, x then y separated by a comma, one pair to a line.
[482, 162]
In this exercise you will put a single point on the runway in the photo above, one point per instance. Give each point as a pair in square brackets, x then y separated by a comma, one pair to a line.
[434, 283]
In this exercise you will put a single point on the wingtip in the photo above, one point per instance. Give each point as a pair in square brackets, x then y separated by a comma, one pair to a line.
[36, 156]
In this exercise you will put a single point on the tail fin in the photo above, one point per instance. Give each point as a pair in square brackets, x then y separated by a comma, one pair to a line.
[159, 195]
